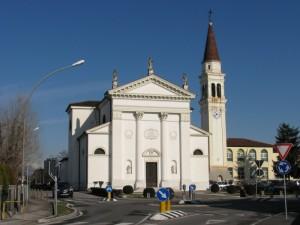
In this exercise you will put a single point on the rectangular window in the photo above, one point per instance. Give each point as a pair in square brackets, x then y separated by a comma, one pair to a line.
[229, 156]
[230, 171]
[241, 173]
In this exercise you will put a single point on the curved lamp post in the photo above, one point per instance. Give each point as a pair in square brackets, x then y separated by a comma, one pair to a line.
[28, 97]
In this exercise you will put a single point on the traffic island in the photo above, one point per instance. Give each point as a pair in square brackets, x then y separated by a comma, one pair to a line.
[168, 215]
[65, 212]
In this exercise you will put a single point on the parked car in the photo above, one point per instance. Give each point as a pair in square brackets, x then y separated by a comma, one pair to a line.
[64, 189]
[223, 185]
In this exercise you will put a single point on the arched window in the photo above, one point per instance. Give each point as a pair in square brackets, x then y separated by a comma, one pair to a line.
[264, 155]
[129, 167]
[213, 90]
[99, 151]
[219, 90]
[252, 154]
[229, 155]
[198, 152]
[174, 167]
[241, 155]
[103, 119]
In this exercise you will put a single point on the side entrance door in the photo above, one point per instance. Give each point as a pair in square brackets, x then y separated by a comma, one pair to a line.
[151, 174]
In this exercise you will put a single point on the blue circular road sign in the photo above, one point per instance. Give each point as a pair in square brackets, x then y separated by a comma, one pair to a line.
[162, 194]
[108, 188]
[192, 187]
[283, 167]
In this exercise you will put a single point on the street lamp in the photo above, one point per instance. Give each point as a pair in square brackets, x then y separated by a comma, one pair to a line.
[27, 99]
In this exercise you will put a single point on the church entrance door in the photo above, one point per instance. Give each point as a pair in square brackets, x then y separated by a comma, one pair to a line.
[151, 174]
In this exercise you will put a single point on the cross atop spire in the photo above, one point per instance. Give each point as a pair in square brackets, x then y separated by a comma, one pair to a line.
[210, 12]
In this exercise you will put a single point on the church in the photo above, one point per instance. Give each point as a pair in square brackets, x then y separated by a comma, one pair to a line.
[140, 133]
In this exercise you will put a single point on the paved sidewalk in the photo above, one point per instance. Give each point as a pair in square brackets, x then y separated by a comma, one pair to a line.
[36, 209]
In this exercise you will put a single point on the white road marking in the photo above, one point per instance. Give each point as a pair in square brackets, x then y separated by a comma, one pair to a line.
[123, 223]
[215, 221]
[263, 219]
[77, 223]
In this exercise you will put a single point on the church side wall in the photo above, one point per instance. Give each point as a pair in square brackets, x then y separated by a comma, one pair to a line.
[81, 119]
[199, 163]
[98, 164]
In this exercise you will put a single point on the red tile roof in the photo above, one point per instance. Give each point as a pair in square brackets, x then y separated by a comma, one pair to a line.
[242, 142]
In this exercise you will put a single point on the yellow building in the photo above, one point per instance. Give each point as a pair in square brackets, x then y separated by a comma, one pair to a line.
[241, 155]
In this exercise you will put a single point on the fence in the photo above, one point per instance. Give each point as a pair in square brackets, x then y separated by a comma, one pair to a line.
[12, 199]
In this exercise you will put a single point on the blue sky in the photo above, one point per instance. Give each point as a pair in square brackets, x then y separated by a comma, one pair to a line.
[258, 43]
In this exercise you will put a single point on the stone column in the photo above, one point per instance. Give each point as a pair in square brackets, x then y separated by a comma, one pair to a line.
[164, 148]
[139, 180]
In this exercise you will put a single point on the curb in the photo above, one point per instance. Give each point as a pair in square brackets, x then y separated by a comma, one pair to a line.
[168, 215]
[53, 219]
[107, 200]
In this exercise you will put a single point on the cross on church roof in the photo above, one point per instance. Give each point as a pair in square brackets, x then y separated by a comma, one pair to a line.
[150, 66]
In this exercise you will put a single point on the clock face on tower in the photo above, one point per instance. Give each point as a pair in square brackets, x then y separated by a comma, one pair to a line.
[217, 114]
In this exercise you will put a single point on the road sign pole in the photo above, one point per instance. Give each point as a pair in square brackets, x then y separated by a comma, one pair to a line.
[285, 204]
[255, 185]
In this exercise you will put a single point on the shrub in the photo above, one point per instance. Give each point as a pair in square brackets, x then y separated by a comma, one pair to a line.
[215, 188]
[128, 189]
[250, 189]
[171, 193]
[99, 191]
[151, 192]
[232, 189]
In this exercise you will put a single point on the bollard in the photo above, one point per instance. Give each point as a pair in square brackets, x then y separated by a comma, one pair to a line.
[109, 196]
[168, 205]
[3, 212]
[162, 207]
[148, 195]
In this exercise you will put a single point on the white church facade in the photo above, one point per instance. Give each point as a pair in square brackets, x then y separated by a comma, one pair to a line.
[141, 134]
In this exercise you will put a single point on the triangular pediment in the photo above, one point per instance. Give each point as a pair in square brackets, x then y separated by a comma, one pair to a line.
[151, 86]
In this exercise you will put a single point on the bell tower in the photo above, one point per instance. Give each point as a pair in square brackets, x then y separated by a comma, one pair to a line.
[213, 105]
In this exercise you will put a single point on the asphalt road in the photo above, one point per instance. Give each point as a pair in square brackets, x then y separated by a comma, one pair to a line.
[211, 210]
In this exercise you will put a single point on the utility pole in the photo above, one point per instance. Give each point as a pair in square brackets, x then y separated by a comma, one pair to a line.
[54, 178]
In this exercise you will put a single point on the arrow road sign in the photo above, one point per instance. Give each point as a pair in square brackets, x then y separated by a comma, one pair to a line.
[192, 187]
[108, 188]
[283, 167]
[162, 194]
[259, 172]
[283, 149]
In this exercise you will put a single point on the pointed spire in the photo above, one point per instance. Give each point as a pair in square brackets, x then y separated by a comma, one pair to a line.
[211, 50]
[150, 66]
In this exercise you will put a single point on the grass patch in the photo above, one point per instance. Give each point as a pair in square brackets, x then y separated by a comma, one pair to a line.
[62, 209]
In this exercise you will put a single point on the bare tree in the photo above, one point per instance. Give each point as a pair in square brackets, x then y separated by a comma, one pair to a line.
[17, 136]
